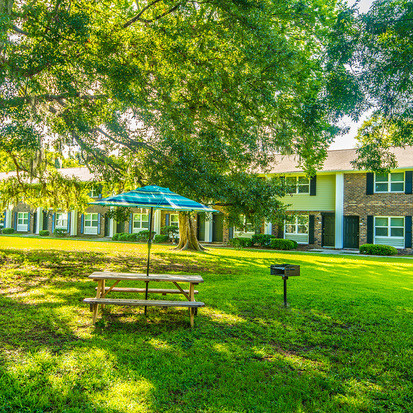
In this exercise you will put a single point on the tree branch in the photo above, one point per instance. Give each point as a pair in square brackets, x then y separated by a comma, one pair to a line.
[47, 98]
[20, 31]
[138, 16]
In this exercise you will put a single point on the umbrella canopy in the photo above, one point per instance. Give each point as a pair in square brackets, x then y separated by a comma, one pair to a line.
[155, 197]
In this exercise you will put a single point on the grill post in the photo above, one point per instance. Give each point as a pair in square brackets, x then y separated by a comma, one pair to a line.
[285, 271]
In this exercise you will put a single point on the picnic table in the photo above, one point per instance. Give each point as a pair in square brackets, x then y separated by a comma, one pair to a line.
[102, 291]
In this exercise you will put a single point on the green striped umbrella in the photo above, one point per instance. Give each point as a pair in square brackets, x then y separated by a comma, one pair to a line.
[153, 197]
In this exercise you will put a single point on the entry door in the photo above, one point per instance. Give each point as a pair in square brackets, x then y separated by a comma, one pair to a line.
[218, 228]
[201, 227]
[45, 220]
[107, 224]
[35, 223]
[329, 230]
[351, 232]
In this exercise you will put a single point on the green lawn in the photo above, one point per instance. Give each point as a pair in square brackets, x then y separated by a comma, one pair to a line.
[344, 344]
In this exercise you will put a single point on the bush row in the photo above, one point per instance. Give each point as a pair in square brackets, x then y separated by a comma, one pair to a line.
[264, 240]
[142, 236]
[377, 249]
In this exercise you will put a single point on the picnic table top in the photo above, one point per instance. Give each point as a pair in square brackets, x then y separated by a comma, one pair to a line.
[108, 275]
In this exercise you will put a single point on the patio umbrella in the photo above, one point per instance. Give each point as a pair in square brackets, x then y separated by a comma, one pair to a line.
[153, 197]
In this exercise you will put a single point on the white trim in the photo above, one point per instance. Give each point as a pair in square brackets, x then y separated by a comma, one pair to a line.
[25, 218]
[8, 218]
[268, 228]
[339, 212]
[91, 229]
[397, 242]
[297, 185]
[73, 222]
[157, 221]
[208, 227]
[299, 237]
[389, 182]
[39, 219]
[140, 228]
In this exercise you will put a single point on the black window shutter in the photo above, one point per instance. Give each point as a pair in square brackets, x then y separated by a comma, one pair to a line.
[369, 183]
[370, 229]
[313, 186]
[167, 219]
[408, 177]
[311, 229]
[408, 232]
[231, 232]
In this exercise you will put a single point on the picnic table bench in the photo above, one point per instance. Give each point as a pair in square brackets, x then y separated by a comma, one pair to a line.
[102, 291]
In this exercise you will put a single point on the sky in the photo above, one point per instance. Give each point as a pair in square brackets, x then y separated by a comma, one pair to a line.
[348, 140]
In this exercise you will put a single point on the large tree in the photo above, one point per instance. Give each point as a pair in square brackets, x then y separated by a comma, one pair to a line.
[194, 95]
[373, 52]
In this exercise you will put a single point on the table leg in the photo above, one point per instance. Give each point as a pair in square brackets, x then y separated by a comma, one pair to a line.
[191, 298]
[99, 293]
[103, 293]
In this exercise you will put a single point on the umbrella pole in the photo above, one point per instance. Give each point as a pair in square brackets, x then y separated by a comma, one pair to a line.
[149, 255]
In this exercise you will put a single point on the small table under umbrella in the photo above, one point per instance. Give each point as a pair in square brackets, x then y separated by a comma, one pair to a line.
[153, 197]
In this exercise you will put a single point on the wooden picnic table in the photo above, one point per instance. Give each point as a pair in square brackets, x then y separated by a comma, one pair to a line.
[102, 291]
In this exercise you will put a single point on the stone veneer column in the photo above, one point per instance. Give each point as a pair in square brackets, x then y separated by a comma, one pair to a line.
[339, 219]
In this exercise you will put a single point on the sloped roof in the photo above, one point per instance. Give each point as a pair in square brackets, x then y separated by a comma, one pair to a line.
[339, 161]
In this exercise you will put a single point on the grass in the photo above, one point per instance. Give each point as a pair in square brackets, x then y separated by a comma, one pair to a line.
[344, 344]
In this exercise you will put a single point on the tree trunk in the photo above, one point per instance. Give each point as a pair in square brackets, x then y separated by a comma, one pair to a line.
[187, 233]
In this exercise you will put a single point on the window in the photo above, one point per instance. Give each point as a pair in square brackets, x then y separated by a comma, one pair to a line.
[91, 224]
[140, 221]
[248, 230]
[61, 220]
[95, 192]
[298, 184]
[389, 182]
[389, 227]
[22, 221]
[174, 220]
[298, 226]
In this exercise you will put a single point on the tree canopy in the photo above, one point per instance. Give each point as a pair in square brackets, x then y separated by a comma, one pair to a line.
[373, 52]
[194, 95]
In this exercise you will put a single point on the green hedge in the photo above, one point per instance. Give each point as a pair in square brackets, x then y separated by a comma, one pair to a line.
[377, 249]
[241, 242]
[161, 238]
[59, 232]
[44, 233]
[8, 231]
[140, 236]
[262, 240]
[283, 244]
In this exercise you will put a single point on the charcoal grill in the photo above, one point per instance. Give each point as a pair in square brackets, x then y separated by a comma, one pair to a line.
[285, 271]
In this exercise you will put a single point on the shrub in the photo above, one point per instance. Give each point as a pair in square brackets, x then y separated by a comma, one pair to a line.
[144, 235]
[263, 240]
[8, 230]
[283, 244]
[59, 232]
[161, 238]
[44, 233]
[172, 231]
[241, 242]
[377, 249]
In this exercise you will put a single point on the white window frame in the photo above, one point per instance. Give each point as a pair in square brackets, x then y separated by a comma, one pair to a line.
[388, 183]
[137, 221]
[298, 185]
[22, 221]
[91, 229]
[250, 230]
[295, 233]
[94, 192]
[174, 220]
[61, 219]
[389, 227]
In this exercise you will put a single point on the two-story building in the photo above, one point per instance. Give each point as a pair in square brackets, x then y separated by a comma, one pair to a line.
[343, 208]
[340, 207]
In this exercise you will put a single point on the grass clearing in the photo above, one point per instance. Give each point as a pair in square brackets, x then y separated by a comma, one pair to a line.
[344, 345]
